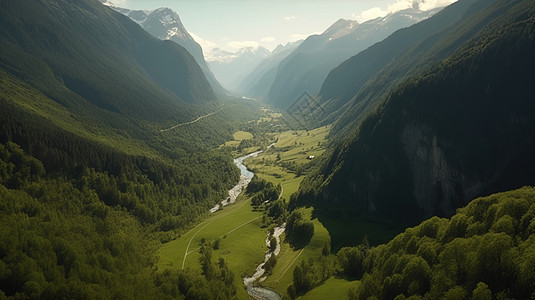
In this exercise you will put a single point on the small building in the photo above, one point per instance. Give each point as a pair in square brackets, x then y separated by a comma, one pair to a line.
[311, 157]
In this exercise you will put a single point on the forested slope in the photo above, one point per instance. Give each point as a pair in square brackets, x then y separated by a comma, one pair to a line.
[89, 58]
[89, 184]
[485, 251]
[458, 130]
[358, 85]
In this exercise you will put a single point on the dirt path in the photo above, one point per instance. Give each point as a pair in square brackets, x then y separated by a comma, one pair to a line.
[240, 226]
[187, 252]
[187, 248]
[196, 120]
[290, 264]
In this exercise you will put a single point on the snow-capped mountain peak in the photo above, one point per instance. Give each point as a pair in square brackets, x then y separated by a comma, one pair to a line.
[341, 28]
[107, 3]
[246, 53]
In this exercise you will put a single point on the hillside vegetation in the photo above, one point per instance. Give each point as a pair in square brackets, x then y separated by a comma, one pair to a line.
[458, 130]
[90, 185]
[359, 84]
[485, 251]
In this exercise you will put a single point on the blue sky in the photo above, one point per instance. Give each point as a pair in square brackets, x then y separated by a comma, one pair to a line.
[232, 24]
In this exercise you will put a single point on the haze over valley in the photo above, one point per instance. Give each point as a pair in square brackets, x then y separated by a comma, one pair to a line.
[267, 149]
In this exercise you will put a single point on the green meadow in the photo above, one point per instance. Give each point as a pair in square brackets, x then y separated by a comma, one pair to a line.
[288, 258]
[242, 242]
[239, 228]
[281, 164]
[332, 288]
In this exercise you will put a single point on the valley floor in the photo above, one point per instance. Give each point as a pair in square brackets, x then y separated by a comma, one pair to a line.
[239, 229]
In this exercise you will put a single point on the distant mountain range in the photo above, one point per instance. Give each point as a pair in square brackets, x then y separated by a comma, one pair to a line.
[231, 68]
[220, 67]
[356, 86]
[308, 65]
[165, 24]
[257, 83]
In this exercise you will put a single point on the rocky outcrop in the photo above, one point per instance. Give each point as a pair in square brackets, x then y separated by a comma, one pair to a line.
[439, 187]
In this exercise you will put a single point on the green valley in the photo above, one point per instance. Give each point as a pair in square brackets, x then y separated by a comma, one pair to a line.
[239, 230]
[128, 171]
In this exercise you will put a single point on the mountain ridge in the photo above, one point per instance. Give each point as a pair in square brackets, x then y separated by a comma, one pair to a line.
[258, 82]
[308, 66]
[165, 24]
[354, 88]
[444, 136]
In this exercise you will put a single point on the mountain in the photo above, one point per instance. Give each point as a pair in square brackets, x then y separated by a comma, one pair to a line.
[456, 130]
[257, 83]
[81, 63]
[307, 67]
[230, 68]
[90, 180]
[164, 24]
[356, 86]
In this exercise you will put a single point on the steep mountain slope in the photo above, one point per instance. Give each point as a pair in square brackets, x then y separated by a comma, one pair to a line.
[355, 87]
[306, 68]
[81, 63]
[230, 68]
[259, 81]
[461, 129]
[89, 183]
[164, 24]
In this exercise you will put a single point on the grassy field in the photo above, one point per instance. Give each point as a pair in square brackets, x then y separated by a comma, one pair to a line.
[289, 153]
[238, 137]
[269, 116]
[242, 242]
[239, 228]
[282, 275]
[332, 288]
[297, 146]
[242, 135]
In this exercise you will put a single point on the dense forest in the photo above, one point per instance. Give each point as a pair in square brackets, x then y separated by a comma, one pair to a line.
[93, 235]
[91, 182]
[485, 251]
[102, 159]
[454, 132]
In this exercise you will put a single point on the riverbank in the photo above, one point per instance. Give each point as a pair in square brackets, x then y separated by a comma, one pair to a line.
[261, 293]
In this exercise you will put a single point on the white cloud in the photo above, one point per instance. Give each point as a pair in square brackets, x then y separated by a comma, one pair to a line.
[205, 44]
[298, 36]
[289, 18]
[421, 4]
[430, 4]
[398, 5]
[370, 14]
[242, 44]
[267, 39]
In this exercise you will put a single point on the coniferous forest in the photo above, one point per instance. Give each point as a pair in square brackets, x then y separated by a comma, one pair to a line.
[114, 144]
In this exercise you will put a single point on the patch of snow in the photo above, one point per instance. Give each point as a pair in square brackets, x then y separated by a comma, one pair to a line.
[175, 31]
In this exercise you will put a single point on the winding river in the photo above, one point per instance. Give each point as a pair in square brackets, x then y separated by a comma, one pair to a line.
[255, 292]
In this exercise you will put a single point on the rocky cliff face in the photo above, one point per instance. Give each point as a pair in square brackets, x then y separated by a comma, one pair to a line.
[437, 185]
